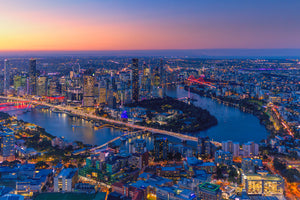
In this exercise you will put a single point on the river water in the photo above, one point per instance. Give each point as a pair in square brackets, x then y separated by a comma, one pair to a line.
[233, 124]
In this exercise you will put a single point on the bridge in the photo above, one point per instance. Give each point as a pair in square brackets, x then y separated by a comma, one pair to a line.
[15, 105]
[115, 139]
[92, 116]
[200, 81]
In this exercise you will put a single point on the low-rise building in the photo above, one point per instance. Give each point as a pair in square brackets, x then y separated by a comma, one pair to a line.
[263, 184]
[208, 191]
[223, 157]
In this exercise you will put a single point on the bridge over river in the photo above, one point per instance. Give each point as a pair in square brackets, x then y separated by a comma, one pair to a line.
[80, 113]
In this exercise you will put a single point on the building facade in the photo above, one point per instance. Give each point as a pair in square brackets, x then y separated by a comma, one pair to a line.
[88, 89]
[135, 80]
[65, 180]
[160, 148]
[32, 76]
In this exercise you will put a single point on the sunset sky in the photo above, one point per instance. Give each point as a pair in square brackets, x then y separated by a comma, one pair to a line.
[148, 24]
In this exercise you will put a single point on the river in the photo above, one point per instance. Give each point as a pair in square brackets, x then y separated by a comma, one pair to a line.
[233, 124]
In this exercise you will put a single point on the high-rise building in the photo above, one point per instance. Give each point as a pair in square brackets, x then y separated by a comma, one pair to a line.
[161, 148]
[250, 149]
[155, 77]
[204, 146]
[7, 145]
[227, 146]
[146, 82]
[5, 82]
[52, 90]
[162, 74]
[42, 86]
[32, 76]
[102, 95]
[236, 149]
[17, 81]
[88, 89]
[135, 80]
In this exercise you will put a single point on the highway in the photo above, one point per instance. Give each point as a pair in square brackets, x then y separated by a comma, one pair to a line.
[92, 116]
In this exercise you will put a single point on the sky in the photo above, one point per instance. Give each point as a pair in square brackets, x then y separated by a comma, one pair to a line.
[148, 24]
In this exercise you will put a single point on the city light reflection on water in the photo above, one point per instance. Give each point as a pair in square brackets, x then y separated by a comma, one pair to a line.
[232, 124]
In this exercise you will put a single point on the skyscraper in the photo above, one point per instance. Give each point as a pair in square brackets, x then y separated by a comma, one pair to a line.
[135, 79]
[161, 148]
[88, 89]
[5, 82]
[32, 76]
[42, 86]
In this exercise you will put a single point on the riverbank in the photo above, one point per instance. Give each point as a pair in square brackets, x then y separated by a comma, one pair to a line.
[252, 106]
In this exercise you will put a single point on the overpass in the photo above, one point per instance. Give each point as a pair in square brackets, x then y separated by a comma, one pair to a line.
[92, 116]
[115, 139]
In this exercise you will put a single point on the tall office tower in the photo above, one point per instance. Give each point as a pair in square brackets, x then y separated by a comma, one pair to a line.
[42, 84]
[113, 82]
[163, 80]
[17, 81]
[107, 89]
[52, 90]
[155, 77]
[135, 80]
[146, 81]
[161, 148]
[102, 95]
[32, 76]
[88, 88]
[7, 145]
[63, 86]
[144, 76]
[5, 82]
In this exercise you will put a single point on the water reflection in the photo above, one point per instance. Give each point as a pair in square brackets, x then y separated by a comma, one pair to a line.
[232, 124]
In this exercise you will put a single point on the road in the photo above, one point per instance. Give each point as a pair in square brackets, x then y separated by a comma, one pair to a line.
[92, 116]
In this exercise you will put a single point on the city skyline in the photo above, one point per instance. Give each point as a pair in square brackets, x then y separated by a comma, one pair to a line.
[119, 25]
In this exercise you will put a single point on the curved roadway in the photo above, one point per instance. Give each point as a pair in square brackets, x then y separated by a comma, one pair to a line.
[91, 116]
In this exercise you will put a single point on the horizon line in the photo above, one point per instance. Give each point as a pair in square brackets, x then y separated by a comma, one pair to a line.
[76, 50]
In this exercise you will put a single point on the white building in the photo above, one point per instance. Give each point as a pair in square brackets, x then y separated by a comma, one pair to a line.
[250, 149]
[227, 146]
[236, 149]
[65, 180]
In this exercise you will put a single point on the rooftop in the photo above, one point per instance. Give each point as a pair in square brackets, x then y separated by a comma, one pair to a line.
[269, 177]
[209, 187]
[67, 173]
